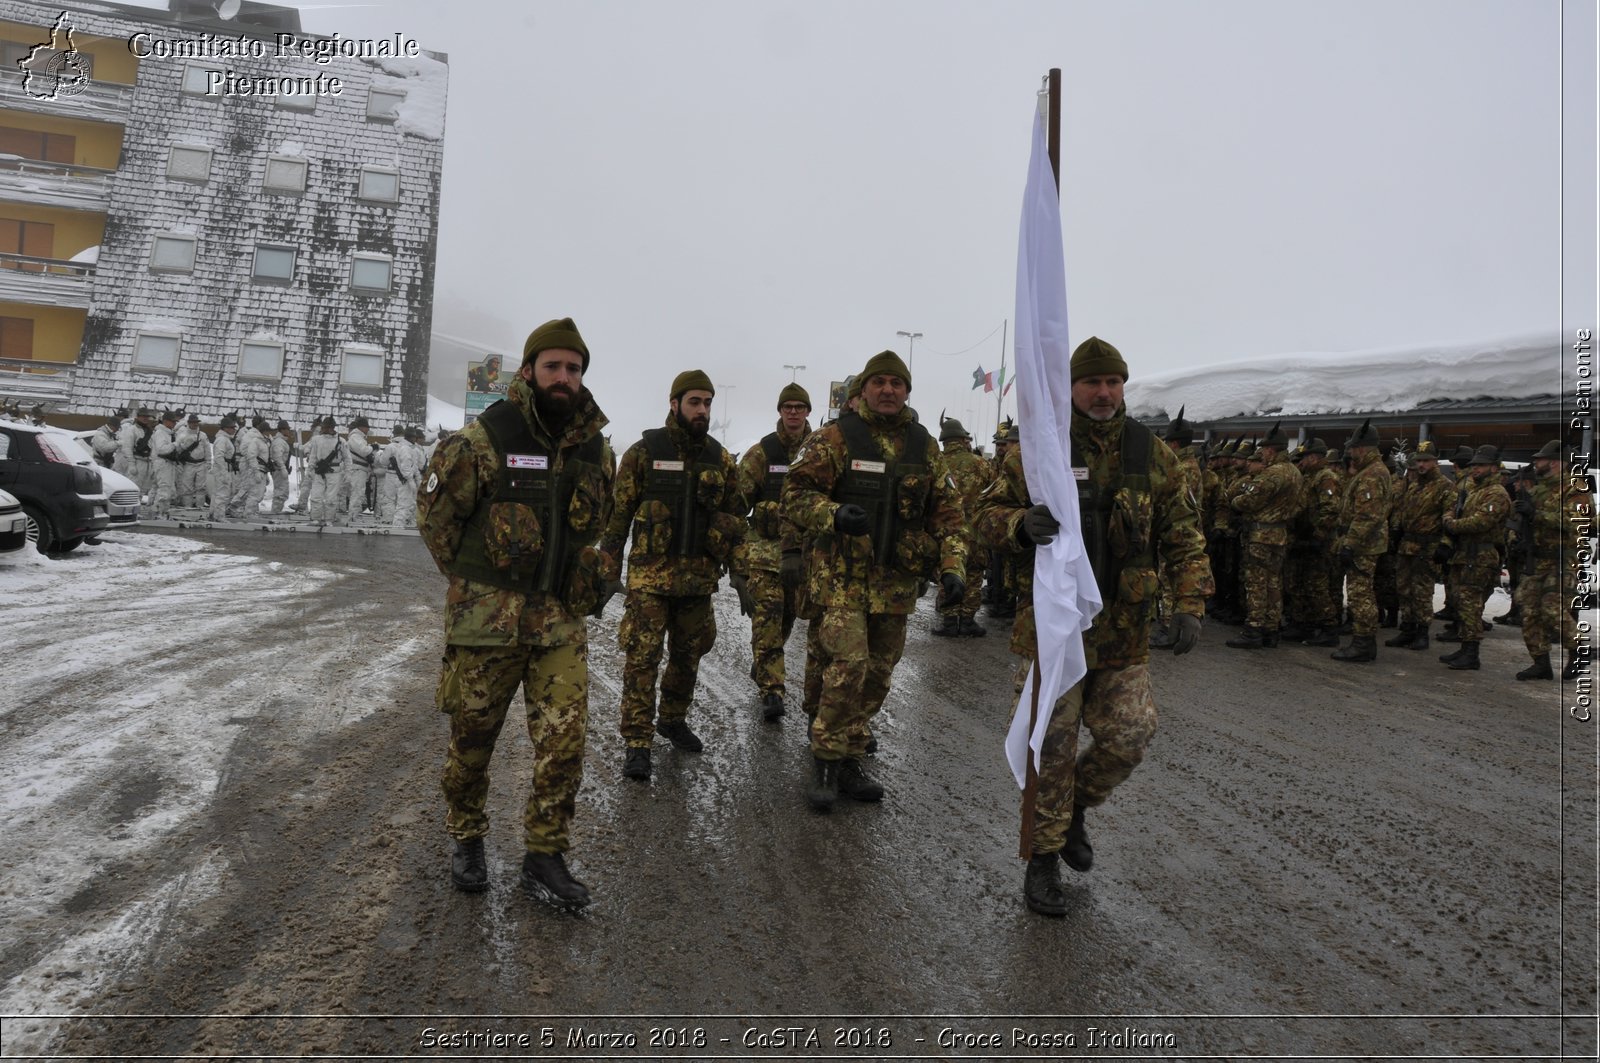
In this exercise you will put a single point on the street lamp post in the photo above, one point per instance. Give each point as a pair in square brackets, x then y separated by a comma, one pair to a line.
[911, 347]
[794, 371]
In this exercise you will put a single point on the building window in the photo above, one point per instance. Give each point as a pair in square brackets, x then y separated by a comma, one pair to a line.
[173, 251]
[260, 360]
[273, 264]
[297, 101]
[379, 184]
[383, 105]
[371, 273]
[363, 368]
[285, 173]
[197, 81]
[156, 352]
[189, 163]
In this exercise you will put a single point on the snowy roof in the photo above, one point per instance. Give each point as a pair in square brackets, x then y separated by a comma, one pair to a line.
[1391, 379]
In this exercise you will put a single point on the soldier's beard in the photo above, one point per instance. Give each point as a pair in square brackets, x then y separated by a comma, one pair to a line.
[554, 405]
[696, 428]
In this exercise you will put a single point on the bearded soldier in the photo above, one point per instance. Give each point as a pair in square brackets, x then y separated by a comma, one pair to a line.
[510, 509]
[871, 496]
[678, 491]
[1136, 508]
[1477, 523]
[972, 476]
[764, 595]
[1558, 507]
[1419, 520]
[1266, 499]
[1365, 535]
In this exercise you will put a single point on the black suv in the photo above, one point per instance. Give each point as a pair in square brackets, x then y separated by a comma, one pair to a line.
[64, 503]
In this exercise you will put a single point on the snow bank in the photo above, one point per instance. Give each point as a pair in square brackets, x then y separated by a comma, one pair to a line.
[1389, 379]
[424, 82]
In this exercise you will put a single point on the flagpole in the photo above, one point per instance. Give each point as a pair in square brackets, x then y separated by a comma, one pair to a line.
[1000, 400]
[1030, 790]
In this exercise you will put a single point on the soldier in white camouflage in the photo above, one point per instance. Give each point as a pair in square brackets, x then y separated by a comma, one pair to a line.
[194, 460]
[164, 463]
[510, 509]
[224, 467]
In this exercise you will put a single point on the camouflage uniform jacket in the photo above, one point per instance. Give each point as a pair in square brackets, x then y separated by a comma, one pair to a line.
[1419, 513]
[1210, 485]
[464, 474]
[844, 571]
[1562, 509]
[762, 548]
[1223, 517]
[1165, 518]
[1268, 500]
[1189, 461]
[1481, 527]
[1365, 516]
[652, 564]
[1320, 519]
[971, 473]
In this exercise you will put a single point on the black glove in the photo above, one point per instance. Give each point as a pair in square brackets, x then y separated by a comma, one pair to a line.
[955, 588]
[1347, 556]
[1441, 554]
[1039, 526]
[741, 584]
[1523, 505]
[608, 590]
[789, 569]
[850, 519]
[1185, 633]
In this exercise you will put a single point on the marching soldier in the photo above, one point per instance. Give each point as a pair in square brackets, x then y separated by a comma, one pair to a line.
[1557, 507]
[764, 595]
[1477, 524]
[879, 511]
[972, 476]
[1419, 520]
[194, 460]
[224, 468]
[510, 509]
[164, 448]
[1365, 516]
[1267, 499]
[360, 466]
[678, 490]
[104, 440]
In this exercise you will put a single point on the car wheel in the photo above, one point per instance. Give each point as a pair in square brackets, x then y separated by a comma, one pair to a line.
[39, 531]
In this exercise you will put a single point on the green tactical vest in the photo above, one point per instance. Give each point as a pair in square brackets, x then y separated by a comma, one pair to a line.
[777, 468]
[526, 480]
[672, 480]
[879, 487]
[1095, 505]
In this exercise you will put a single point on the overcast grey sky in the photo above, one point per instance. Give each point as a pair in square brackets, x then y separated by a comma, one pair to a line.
[738, 184]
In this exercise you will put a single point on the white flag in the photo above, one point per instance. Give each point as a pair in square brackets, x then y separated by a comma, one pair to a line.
[1065, 598]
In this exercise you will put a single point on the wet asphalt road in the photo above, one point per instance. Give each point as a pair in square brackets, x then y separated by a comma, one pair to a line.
[1315, 858]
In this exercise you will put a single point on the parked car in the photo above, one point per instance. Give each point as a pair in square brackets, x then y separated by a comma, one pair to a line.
[13, 525]
[122, 492]
[63, 502]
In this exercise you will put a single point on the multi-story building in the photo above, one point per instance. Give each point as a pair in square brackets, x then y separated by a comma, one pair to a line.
[215, 214]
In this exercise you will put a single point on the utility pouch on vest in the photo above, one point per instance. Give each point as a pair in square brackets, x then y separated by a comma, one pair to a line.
[766, 519]
[887, 491]
[679, 497]
[1116, 518]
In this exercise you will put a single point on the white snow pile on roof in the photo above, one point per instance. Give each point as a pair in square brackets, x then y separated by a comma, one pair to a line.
[1389, 379]
[424, 82]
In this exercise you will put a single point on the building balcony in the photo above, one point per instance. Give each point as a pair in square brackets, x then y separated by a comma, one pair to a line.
[45, 281]
[54, 184]
[100, 101]
[29, 382]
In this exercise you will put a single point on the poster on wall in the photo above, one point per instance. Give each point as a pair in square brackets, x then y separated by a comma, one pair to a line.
[485, 386]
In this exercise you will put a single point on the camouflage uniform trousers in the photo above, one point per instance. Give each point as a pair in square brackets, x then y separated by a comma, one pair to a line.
[649, 621]
[858, 652]
[1308, 588]
[770, 627]
[1361, 596]
[475, 689]
[1543, 598]
[1263, 585]
[1116, 705]
[1415, 576]
[972, 601]
[1385, 582]
[1475, 581]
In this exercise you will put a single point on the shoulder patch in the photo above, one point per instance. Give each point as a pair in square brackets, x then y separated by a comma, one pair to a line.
[433, 483]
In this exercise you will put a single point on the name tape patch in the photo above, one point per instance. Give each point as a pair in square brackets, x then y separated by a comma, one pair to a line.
[778, 468]
[667, 466]
[857, 465]
[527, 461]
[1079, 474]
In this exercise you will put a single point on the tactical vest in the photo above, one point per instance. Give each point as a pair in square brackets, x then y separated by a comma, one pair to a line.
[526, 479]
[777, 468]
[1096, 504]
[671, 480]
[893, 505]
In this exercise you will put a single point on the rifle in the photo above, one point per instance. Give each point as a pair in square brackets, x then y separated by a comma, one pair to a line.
[1522, 526]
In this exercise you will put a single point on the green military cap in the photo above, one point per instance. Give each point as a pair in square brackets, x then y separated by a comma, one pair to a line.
[952, 429]
[1316, 446]
[1487, 454]
[1245, 449]
[1096, 357]
[793, 393]
[1551, 449]
[1013, 433]
[1335, 455]
[1365, 436]
[1180, 432]
[691, 380]
[1462, 456]
[1425, 451]
[886, 363]
[1001, 430]
[1277, 437]
[559, 333]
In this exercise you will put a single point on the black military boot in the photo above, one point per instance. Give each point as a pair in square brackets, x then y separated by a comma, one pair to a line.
[678, 733]
[1388, 617]
[856, 784]
[947, 627]
[1041, 886]
[823, 790]
[1539, 669]
[969, 628]
[1248, 638]
[1269, 640]
[1362, 649]
[1419, 641]
[1294, 631]
[545, 875]
[1468, 658]
[1451, 632]
[1407, 633]
[469, 872]
[1513, 617]
[1447, 658]
[636, 763]
[1447, 613]
[1077, 851]
[1572, 668]
[772, 706]
[1346, 625]
[1321, 636]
